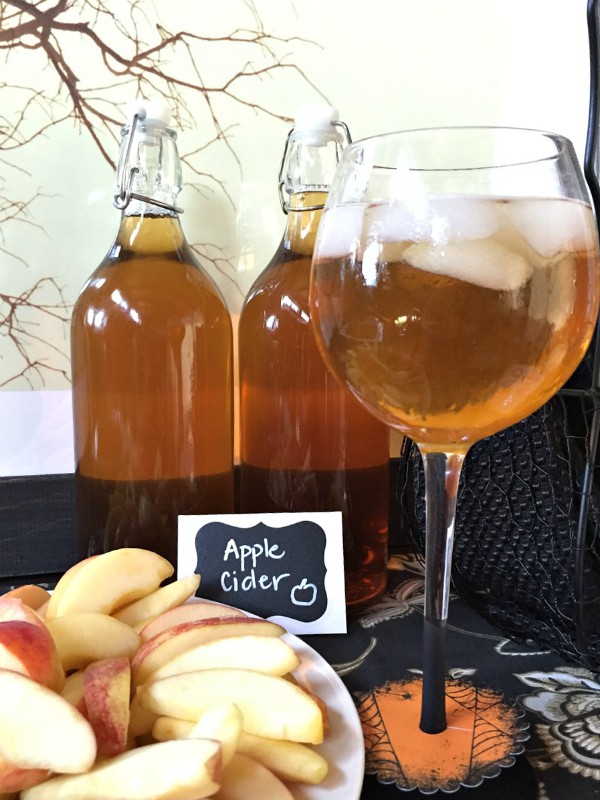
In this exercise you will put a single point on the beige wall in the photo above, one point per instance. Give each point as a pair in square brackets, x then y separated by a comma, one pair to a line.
[386, 64]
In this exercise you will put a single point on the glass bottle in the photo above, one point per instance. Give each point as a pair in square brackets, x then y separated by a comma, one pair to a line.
[305, 443]
[151, 344]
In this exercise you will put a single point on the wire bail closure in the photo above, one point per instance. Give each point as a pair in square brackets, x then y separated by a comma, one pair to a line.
[281, 182]
[124, 196]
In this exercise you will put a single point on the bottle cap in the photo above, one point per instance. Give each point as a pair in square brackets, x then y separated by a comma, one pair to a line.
[315, 117]
[152, 112]
[316, 125]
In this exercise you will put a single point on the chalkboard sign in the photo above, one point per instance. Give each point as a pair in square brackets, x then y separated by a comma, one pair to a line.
[284, 566]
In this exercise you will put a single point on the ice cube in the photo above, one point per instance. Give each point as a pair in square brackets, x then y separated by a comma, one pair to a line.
[552, 225]
[340, 231]
[395, 221]
[553, 293]
[459, 217]
[437, 218]
[485, 263]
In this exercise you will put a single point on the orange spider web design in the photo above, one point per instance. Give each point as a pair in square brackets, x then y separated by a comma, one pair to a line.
[483, 735]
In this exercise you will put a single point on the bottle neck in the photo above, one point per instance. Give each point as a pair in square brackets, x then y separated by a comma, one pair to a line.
[149, 170]
[307, 169]
[308, 165]
[149, 180]
[303, 221]
[147, 233]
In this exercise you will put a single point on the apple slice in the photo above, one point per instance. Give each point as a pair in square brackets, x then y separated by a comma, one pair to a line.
[139, 613]
[171, 642]
[15, 608]
[166, 728]
[73, 690]
[29, 649]
[224, 725]
[31, 595]
[106, 688]
[268, 654]
[183, 770]
[271, 706]
[14, 778]
[62, 585]
[111, 580]
[86, 637]
[41, 611]
[246, 779]
[39, 729]
[141, 720]
[290, 761]
[202, 609]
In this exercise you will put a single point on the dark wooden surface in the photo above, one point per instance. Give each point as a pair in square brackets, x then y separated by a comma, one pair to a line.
[38, 527]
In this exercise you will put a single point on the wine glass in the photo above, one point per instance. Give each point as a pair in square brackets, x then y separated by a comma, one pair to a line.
[454, 290]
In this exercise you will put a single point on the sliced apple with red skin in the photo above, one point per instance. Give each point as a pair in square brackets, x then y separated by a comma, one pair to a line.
[139, 613]
[183, 770]
[31, 595]
[106, 691]
[83, 638]
[247, 779]
[14, 778]
[271, 706]
[39, 729]
[191, 612]
[29, 649]
[268, 654]
[166, 645]
[105, 583]
[15, 608]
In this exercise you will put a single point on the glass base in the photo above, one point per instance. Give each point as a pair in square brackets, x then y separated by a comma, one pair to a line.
[484, 735]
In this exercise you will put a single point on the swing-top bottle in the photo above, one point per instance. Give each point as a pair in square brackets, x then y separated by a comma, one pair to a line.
[151, 365]
[305, 442]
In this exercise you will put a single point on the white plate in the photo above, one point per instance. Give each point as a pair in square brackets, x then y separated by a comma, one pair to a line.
[344, 746]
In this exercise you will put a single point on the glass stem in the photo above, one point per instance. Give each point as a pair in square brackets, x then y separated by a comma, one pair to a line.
[442, 473]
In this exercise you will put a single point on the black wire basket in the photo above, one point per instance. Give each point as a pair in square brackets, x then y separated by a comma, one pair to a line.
[527, 544]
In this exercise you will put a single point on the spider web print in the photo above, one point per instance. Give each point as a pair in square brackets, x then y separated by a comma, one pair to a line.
[484, 734]
[381, 758]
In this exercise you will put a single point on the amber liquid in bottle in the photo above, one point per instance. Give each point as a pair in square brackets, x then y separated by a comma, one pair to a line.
[306, 443]
[151, 364]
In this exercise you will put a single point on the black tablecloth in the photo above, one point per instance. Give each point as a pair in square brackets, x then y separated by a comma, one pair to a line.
[561, 701]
